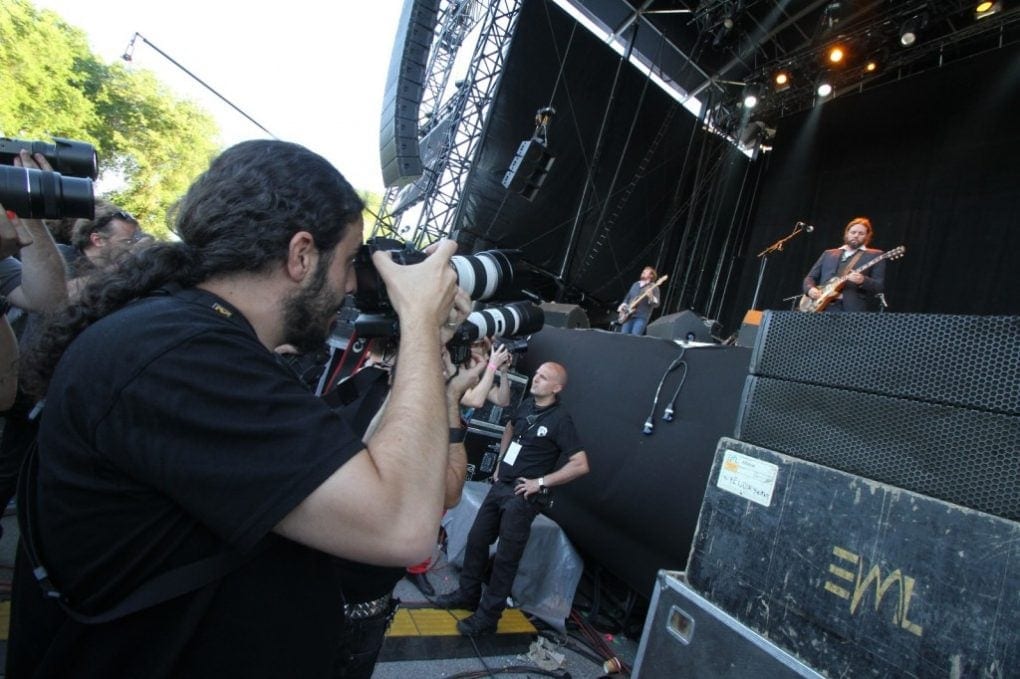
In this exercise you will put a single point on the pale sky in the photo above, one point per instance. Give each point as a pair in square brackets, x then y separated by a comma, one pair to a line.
[310, 71]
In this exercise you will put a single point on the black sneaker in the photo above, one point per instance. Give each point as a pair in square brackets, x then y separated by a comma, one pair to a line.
[456, 599]
[476, 626]
[421, 581]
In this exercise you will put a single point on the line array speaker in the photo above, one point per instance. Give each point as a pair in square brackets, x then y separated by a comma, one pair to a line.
[968, 361]
[399, 152]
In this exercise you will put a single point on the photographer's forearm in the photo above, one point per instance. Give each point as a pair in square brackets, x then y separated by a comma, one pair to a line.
[410, 446]
[456, 474]
[475, 397]
[43, 282]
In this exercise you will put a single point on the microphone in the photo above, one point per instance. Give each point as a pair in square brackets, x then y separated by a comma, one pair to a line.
[649, 426]
[668, 414]
[807, 227]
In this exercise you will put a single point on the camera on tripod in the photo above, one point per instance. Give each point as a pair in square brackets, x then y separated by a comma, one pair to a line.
[491, 275]
[66, 191]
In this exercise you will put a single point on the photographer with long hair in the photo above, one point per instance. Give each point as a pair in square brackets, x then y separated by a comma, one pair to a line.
[189, 494]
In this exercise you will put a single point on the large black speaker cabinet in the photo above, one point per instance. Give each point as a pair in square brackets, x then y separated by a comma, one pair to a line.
[969, 361]
[685, 325]
[567, 316]
[925, 403]
[636, 509]
[399, 152]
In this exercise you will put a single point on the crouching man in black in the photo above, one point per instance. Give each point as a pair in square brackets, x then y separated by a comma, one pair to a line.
[539, 434]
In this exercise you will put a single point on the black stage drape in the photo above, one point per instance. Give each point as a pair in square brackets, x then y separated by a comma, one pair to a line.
[933, 160]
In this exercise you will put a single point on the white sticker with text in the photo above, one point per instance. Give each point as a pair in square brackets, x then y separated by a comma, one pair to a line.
[751, 479]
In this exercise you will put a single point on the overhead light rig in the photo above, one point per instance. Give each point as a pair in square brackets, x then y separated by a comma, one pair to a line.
[849, 54]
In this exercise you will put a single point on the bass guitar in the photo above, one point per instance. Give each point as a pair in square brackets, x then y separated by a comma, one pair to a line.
[629, 310]
[832, 287]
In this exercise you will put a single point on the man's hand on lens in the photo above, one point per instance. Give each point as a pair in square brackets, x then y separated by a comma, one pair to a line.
[461, 378]
[458, 312]
[422, 294]
[36, 162]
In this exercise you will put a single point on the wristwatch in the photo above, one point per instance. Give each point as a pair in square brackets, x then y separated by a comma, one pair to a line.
[541, 483]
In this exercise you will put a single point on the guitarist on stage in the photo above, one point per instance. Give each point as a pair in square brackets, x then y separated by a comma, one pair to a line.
[634, 321]
[860, 288]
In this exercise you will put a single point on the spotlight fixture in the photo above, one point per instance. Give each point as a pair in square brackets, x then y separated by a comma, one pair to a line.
[871, 66]
[824, 88]
[836, 54]
[987, 8]
[751, 95]
[781, 81]
[911, 28]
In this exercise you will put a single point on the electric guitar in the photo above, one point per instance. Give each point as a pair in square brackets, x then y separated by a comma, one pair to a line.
[830, 290]
[629, 310]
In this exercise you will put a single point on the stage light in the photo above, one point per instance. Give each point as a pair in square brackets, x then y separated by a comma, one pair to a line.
[780, 81]
[751, 95]
[871, 66]
[911, 28]
[987, 8]
[836, 54]
[824, 89]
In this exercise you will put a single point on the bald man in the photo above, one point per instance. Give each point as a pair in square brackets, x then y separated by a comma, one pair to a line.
[540, 435]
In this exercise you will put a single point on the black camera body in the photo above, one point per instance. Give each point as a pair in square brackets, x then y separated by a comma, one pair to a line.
[44, 194]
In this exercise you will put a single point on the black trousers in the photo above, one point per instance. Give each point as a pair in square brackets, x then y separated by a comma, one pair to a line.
[508, 517]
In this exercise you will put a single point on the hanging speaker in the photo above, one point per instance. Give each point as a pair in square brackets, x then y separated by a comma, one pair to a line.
[399, 152]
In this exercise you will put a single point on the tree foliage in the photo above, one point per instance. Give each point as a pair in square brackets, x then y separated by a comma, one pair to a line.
[151, 144]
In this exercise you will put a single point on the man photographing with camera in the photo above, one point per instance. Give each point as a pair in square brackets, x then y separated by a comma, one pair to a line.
[173, 438]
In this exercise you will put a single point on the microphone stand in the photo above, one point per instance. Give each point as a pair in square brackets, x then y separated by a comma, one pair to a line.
[764, 257]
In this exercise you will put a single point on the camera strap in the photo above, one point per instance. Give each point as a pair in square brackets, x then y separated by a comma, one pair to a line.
[161, 588]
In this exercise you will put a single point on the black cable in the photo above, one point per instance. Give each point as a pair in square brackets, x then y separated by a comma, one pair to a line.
[668, 413]
[649, 423]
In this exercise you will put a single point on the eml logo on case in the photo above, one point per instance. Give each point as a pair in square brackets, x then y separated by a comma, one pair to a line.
[861, 583]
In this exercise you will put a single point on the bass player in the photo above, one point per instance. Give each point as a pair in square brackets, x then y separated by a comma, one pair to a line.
[634, 317]
[860, 289]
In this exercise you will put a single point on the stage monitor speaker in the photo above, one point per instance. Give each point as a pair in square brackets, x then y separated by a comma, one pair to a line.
[399, 152]
[967, 361]
[962, 455]
[685, 325]
[749, 328]
[567, 316]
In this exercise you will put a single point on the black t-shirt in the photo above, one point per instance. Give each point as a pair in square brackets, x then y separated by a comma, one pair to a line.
[545, 434]
[171, 434]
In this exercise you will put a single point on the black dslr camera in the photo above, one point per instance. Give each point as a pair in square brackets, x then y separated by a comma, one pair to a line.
[44, 194]
[492, 275]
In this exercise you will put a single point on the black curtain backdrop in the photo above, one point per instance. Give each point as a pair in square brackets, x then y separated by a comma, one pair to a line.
[629, 216]
[932, 160]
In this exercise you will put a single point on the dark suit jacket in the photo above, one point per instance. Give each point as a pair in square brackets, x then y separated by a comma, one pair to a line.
[855, 297]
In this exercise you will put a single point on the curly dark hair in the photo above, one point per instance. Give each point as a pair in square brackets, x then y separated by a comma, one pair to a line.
[239, 216]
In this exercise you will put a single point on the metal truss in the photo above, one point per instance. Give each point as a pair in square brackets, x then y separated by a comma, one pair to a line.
[461, 119]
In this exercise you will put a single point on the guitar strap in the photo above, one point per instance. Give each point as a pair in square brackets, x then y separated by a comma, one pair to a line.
[852, 263]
